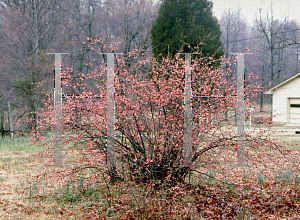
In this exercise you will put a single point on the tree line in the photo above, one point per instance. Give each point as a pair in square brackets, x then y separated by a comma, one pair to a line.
[29, 29]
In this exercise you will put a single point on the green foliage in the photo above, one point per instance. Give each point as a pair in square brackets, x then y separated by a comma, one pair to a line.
[243, 214]
[261, 178]
[231, 190]
[183, 25]
[285, 177]
[73, 193]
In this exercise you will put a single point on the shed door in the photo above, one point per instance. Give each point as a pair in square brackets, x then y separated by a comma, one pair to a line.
[295, 111]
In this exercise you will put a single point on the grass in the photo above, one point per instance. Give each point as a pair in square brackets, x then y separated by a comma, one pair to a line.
[294, 143]
[17, 144]
[242, 193]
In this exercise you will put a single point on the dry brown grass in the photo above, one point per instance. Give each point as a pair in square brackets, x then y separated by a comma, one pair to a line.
[242, 193]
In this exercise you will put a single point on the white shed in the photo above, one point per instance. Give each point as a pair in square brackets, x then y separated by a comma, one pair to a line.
[286, 101]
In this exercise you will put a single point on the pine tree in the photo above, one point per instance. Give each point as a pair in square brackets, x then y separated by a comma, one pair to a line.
[184, 24]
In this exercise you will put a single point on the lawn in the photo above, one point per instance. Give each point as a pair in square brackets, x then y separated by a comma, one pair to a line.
[231, 193]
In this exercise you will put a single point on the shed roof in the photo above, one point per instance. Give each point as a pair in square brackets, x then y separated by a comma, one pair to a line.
[270, 91]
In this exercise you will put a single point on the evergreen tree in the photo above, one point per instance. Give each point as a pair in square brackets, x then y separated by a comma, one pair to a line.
[184, 24]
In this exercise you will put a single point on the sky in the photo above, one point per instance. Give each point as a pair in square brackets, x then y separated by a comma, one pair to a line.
[250, 8]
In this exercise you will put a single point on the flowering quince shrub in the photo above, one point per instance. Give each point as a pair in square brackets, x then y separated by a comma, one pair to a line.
[149, 125]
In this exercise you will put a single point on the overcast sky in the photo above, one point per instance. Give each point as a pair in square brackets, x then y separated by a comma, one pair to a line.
[250, 8]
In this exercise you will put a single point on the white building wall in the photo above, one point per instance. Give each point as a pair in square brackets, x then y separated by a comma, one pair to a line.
[280, 99]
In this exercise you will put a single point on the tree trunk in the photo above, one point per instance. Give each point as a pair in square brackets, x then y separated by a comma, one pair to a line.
[2, 125]
[10, 122]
